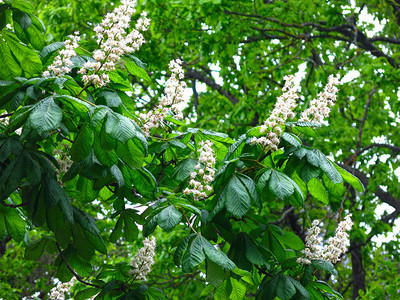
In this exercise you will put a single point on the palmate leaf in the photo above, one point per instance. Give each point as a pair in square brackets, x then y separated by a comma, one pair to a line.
[27, 57]
[282, 186]
[46, 115]
[216, 256]
[123, 129]
[317, 190]
[350, 179]
[236, 197]
[193, 255]
[15, 225]
[82, 145]
[9, 67]
[169, 218]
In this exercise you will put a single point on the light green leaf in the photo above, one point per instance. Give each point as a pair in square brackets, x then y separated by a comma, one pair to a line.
[350, 179]
[317, 190]
[238, 289]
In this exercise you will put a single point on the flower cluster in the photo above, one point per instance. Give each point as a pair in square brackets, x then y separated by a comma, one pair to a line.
[114, 41]
[204, 172]
[320, 107]
[339, 243]
[173, 96]
[143, 260]
[64, 161]
[58, 292]
[335, 247]
[282, 111]
[62, 62]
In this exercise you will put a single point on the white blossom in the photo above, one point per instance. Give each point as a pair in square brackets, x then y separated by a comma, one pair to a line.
[144, 259]
[58, 292]
[282, 111]
[169, 104]
[202, 178]
[331, 251]
[62, 62]
[114, 41]
[320, 107]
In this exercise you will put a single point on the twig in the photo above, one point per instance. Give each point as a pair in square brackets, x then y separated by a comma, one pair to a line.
[79, 278]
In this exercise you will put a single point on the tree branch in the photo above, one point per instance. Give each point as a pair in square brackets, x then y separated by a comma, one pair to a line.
[191, 73]
[79, 278]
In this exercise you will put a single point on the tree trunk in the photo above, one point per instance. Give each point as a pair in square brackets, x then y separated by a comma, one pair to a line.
[358, 270]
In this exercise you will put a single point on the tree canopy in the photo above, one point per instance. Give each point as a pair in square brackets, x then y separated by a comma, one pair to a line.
[93, 168]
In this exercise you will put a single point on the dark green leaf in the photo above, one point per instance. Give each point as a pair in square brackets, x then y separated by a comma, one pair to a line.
[169, 218]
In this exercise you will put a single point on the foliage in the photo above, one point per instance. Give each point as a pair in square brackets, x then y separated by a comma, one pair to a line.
[122, 186]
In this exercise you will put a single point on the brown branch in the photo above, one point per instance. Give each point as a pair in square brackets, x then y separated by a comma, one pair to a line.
[380, 193]
[395, 149]
[6, 115]
[360, 130]
[79, 278]
[14, 205]
[191, 73]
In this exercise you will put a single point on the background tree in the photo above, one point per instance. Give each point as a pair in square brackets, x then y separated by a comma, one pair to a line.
[241, 50]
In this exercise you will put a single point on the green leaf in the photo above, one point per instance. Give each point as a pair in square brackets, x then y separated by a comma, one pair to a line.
[87, 293]
[282, 186]
[169, 218]
[317, 190]
[236, 197]
[117, 174]
[144, 182]
[350, 179]
[216, 256]
[236, 149]
[35, 249]
[117, 231]
[323, 286]
[299, 287]
[292, 139]
[224, 291]
[49, 52]
[207, 290]
[22, 19]
[238, 289]
[130, 229]
[9, 67]
[2, 225]
[284, 287]
[27, 58]
[325, 266]
[123, 129]
[291, 240]
[184, 168]
[24, 5]
[110, 98]
[181, 249]
[193, 255]
[15, 225]
[215, 273]
[76, 105]
[253, 253]
[46, 115]
[82, 145]
[86, 221]
[137, 71]
[131, 153]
